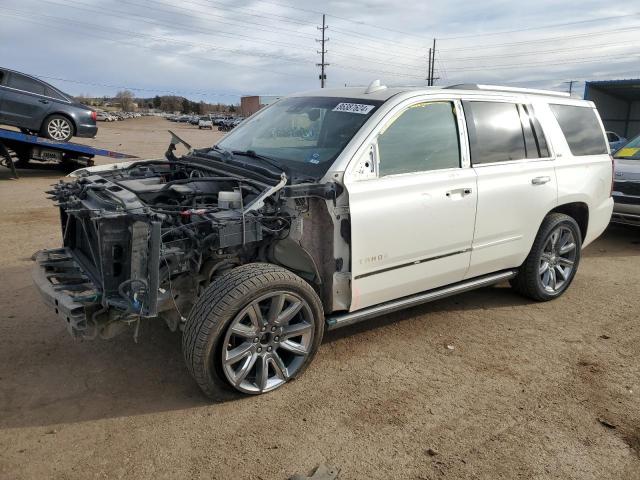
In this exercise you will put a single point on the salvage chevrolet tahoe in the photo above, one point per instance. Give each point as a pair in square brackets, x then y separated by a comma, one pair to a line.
[325, 209]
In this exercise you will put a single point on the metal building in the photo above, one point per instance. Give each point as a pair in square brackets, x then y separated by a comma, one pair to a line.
[251, 104]
[618, 102]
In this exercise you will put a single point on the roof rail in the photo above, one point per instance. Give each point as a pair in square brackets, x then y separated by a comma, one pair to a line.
[498, 88]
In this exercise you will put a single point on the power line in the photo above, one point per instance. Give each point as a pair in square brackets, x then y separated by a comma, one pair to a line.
[541, 27]
[174, 40]
[127, 15]
[377, 27]
[539, 52]
[138, 89]
[90, 31]
[544, 40]
[545, 63]
[153, 21]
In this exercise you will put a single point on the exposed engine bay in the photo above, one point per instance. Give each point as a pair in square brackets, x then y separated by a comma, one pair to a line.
[144, 240]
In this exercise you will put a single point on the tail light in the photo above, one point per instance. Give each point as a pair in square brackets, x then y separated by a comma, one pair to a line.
[94, 116]
[613, 173]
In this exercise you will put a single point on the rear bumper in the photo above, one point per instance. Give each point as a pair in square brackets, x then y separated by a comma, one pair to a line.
[66, 288]
[626, 209]
[86, 130]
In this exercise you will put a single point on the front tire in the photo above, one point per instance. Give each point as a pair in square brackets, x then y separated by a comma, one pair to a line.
[57, 127]
[255, 328]
[553, 261]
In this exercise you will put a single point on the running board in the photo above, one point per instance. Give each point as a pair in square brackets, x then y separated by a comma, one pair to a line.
[349, 318]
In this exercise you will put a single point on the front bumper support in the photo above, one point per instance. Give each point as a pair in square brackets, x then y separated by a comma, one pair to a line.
[66, 288]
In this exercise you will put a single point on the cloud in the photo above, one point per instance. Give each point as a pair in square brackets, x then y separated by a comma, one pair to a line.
[217, 50]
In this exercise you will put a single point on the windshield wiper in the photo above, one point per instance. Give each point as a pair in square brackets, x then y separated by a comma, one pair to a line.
[253, 154]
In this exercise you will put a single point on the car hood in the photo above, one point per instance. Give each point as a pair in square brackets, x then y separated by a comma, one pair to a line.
[628, 170]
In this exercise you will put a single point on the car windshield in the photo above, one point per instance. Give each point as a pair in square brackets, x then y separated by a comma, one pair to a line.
[631, 151]
[303, 135]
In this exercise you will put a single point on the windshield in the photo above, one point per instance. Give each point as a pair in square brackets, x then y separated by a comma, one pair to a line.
[302, 134]
[631, 151]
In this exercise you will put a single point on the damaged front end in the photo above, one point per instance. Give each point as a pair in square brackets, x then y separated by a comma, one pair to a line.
[144, 240]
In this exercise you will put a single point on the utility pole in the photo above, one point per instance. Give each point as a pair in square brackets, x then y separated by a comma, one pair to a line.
[433, 62]
[429, 70]
[322, 52]
[570, 82]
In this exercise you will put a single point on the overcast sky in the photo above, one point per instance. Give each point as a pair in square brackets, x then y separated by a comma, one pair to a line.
[218, 50]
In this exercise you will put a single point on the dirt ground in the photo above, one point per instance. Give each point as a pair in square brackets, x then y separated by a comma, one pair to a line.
[529, 390]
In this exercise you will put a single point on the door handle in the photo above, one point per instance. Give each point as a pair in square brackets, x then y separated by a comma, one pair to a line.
[43, 101]
[462, 191]
[540, 180]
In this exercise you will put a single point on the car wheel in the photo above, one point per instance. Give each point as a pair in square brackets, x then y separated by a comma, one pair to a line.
[254, 328]
[57, 127]
[553, 261]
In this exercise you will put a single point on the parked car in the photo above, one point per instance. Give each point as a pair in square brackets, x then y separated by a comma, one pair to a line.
[325, 209]
[104, 117]
[615, 141]
[626, 184]
[205, 122]
[36, 107]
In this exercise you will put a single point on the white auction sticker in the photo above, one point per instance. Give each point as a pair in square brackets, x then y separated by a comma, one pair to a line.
[354, 108]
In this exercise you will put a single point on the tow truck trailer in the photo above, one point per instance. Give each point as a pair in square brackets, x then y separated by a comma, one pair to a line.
[21, 147]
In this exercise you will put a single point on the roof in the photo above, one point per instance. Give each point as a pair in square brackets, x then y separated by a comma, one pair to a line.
[384, 93]
[628, 89]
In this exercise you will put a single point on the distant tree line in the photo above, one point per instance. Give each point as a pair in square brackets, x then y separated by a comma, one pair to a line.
[128, 102]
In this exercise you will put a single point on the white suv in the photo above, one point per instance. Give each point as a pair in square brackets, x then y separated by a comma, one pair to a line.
[329, 208]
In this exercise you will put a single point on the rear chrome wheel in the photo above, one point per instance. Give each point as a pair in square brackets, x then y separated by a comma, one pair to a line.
[58, 128]
[557, 259]
[268, 342]
[553, 260]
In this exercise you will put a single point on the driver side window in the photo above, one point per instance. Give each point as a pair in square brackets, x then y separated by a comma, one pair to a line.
[422, 138]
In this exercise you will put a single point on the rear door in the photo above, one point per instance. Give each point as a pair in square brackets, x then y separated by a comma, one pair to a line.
[413, 210]
[25, 103]
[517, 184]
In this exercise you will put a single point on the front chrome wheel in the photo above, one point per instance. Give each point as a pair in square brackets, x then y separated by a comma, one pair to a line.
[59, 129]
[558, 259]
[268, 342]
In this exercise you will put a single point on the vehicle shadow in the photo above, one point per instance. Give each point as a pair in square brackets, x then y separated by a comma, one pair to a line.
[53, 170]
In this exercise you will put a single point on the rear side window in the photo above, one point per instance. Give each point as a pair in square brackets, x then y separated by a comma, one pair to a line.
[424, 137]
[502, 132]
[22, 82]
[581, 129]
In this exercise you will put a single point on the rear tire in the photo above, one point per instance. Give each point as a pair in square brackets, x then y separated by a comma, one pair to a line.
[255, 328]
[553, 261]
[57, 127]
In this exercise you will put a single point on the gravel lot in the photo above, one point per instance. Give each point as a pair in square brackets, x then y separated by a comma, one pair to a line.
[528, 391]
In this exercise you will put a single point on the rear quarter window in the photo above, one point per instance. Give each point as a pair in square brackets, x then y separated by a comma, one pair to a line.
[581, 129]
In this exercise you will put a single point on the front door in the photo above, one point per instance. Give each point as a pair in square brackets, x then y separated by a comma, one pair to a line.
[412, 221]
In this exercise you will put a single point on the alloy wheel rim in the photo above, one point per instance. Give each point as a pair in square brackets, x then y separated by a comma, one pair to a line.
[557, 260]
[59, 129]
[267, 342]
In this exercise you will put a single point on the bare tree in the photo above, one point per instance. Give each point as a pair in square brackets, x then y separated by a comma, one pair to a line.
[125, 99]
